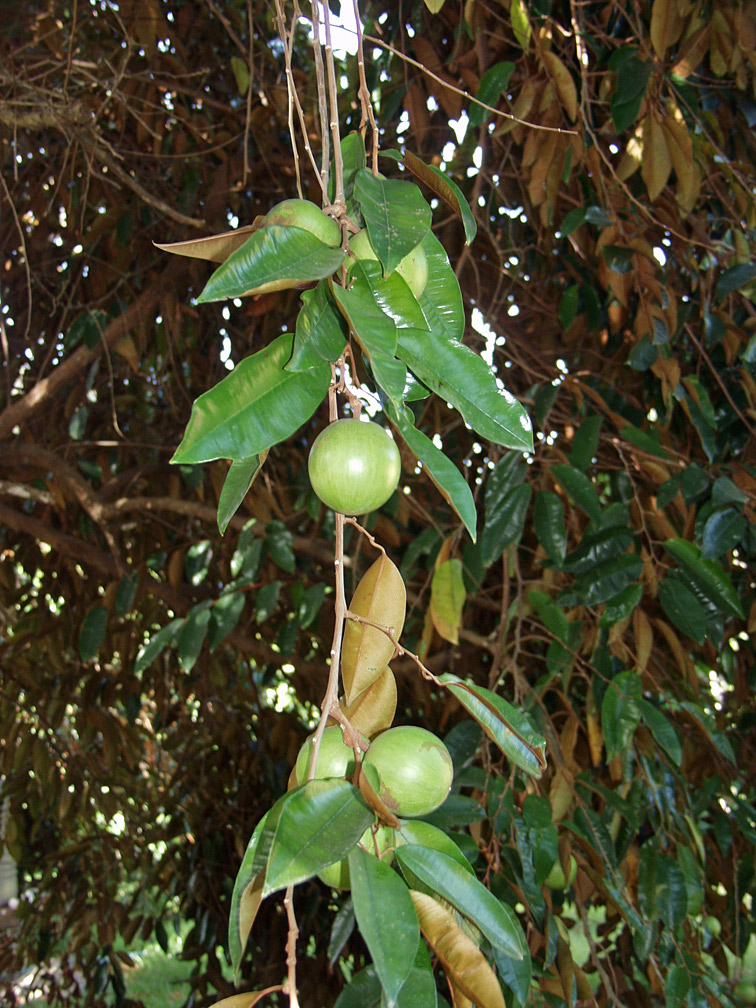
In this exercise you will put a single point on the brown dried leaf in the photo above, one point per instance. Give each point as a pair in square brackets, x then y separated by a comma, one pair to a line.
[372, 710]
[381, 598]
[214, 248]
[666, 25]
[565, 85]
[463, 962]
[656, 164]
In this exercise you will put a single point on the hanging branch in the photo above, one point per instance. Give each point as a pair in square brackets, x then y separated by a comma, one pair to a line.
[333, 103]
[366, 105]
[325, 154]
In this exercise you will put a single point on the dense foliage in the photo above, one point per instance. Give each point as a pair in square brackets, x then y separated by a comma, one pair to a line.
[158, 679]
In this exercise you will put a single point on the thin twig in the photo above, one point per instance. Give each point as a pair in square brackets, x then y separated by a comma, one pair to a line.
[290, 987]
[333, 103]
[364, 93]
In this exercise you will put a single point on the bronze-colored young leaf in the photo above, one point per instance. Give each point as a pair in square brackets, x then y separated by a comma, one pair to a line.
[248, 1000]
[214, 248]
[463, 962]
[380, 598]
[447, 599]
[372, 710]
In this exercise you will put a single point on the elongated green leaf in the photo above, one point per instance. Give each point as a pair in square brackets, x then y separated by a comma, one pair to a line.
[734, 278]
[548, 522]
[245, 899]
[444, 876]
[318, 825]
[683, 608]
[191, 636]
[663, 732]
[620, 712]
[507, 727]
[396, 215]
[241, 475]
[418, 990]
[604, 581]
[505, 525]
[274, 258]
[424, 834]
[224, 616]
[460, 376]
[149, 652]
[386, 919]
[450, 482]
[442, 186]
[597, 547]
[580, 489]
[708, 576]
[255, 407]
[517, 974]
[492, 83]
[441, 300]
[92, 632]
[320, 332]
[722, 532]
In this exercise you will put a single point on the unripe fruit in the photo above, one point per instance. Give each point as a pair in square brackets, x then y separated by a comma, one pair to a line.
[415, 770]
[335, 757]
[745, 992]
[556, 878]
[713, 925]
[337, 875]
[413, 268]
[308, 216]
[354, 467]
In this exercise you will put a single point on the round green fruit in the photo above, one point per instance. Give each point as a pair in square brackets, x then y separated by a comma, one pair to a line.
[308, 216]
[384, 839]
[556, 877]
[354, 467]
[713, 925]
[745, 992]
[413, 268]
[335, 757]
[414, 768]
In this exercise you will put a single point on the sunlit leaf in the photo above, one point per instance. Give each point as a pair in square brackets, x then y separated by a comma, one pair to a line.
[396, 215]
[275, 257]
[320, 332]
[241, 475]
[507, 727]
[214, 248]
[707, 575]
[447, 599]
[245, 899]
[386, 919]
[257, 405]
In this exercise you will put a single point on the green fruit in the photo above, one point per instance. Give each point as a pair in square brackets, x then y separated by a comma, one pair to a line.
[413, 268]
[745, 992]
[337, 874]
[354, 467]
[713, 925]
[414, 768]
[306, 215]
[556, 878]
[335, 757]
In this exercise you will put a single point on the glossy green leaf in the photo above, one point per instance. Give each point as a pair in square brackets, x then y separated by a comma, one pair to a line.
[722, 532]
[620, 606]
[418, 990]
[396, 215]
[191, 637]
[568, 306]
[662, 730]
[460, 376]
[734, 278]
[386, 919]
[424, 834]
[275, 257]
[450, 482]
[509, 728]
[267, 600]
[255, 407]
[341, 930]
[620, 712]
[580, 489]
[320, 332]
[318, 825]
[444, 876]
[245, 899]
[505, 526]
[595, 548]
[125, 593]
[441, 300]
[150, 651]
[224, 616]
[548, 522]
[280, 545]
[442, 186]
[724, 492]
[457, 811]
[632, 78]
[604, 581]
[708, 576]
[585, 442]
[552, 616]
[517, 974]
[241, 475]
[492, 83]
[683, 608]
[92, 632]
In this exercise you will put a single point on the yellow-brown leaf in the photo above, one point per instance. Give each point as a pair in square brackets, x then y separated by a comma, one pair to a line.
[372, 710]
[380, 598]
[656, 164]
[463, 962]
[564, 83]
[666, 25]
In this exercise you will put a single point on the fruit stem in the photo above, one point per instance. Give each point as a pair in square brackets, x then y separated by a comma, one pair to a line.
[291, 950]
[331, 698]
